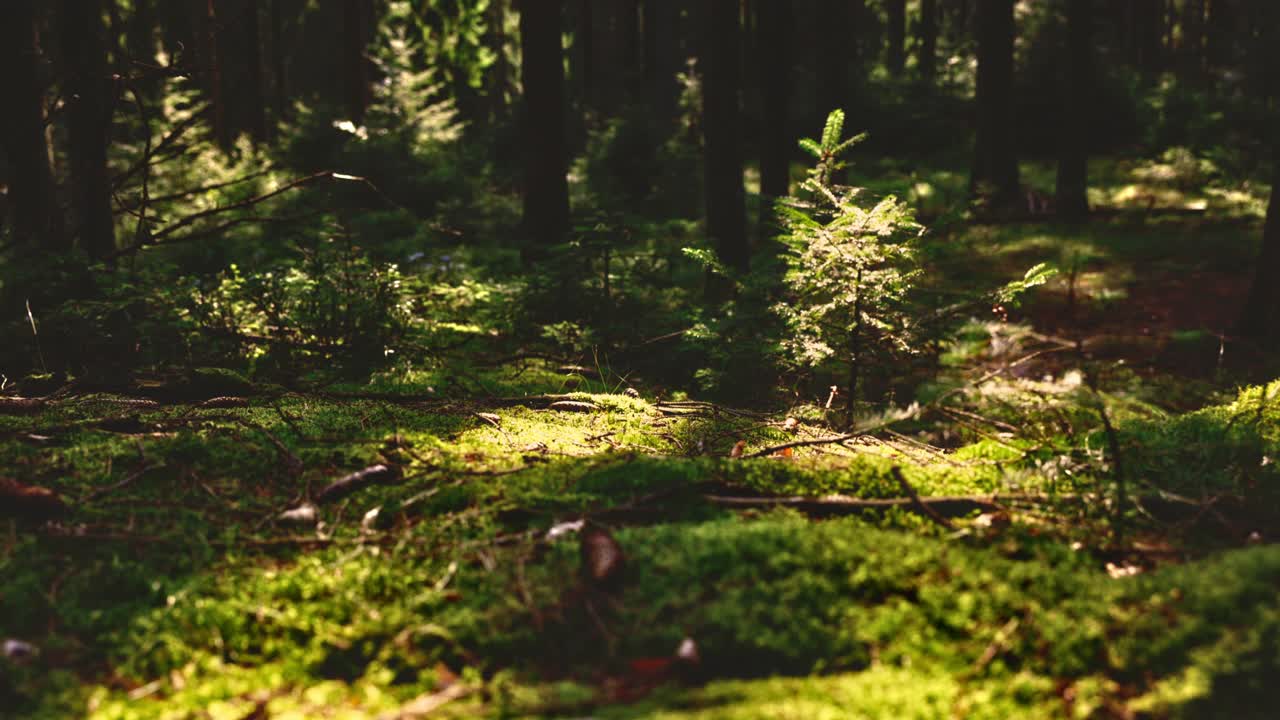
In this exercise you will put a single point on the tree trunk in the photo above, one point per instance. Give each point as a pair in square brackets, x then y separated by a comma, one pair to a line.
[662, 61]
[927, 59]
[355, 74]
[546, 189]
[895, 51]
[1077, 78]
[773, 27]
[279, 65]
[88, 98]
[1261, 317]
[606, 56]
[238, 49]
[835, 53]
[37, 220]
[721, 127]
[1149, 21]
[995, 164]
[1192, 50]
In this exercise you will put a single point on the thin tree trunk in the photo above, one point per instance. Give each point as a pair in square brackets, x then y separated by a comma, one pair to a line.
[773, 27]
[355, 75]
[546, 188]
[835, 53]
[662, 62]
[895, 51]
[1261, 316]
[1073, 159]
[606, 57]
[927, 60]
[279, 64]
[37, 221]
[1150, 30]
[721, 115]
[995, 165]
[210, 59]
[88, 83]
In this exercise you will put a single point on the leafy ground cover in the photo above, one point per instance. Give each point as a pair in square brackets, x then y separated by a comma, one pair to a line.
[176, 587]
[1069, 515]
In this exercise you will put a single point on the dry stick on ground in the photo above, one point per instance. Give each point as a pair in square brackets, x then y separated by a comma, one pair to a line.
[915, 498]
[941, 505]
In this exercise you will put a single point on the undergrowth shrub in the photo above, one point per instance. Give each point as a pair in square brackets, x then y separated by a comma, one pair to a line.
[334, 299]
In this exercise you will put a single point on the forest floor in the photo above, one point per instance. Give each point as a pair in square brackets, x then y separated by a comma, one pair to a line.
[1053, 529]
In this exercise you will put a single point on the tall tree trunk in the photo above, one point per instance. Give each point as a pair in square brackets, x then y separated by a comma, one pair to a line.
[1261, 316]
[773, 28]
[238, 66]
[835, 53]
[279, 64]
[662, 61]
[88, 84]
[140, 43]
[37, 221]
[499, 81]
[1192, 49]
[606, 58]
[995, 163]
[546, 189]
[1149, 22]
[927, 60]
[721, 127]
[209, 59]
[1073, 135]
[895, 50]
[355, 73]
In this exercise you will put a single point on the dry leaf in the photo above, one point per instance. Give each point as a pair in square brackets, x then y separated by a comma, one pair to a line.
[1122, 571]
[785, 453]
[602, 558]
[790, 425]
[559, 530]
[738, 447]
[490, 418]
[304, 514]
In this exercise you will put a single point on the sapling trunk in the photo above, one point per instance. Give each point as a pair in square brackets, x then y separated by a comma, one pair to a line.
[855, 350]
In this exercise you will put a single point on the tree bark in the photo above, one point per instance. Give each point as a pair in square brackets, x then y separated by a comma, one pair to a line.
[1261, 317]
[37, 221]
[896, 37]
[721, 126]
[355, 74]
[88, 98]
[546, 189]
[995, 164]
[835, 53]
[773, 27]
[1149, 21]
[662, 62]
[606, 56]
[1077, 77]
[927, 58]
[238, 50]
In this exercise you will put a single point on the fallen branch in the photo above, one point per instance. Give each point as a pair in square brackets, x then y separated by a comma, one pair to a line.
[920, 504]
[942, 505]
[357, 481]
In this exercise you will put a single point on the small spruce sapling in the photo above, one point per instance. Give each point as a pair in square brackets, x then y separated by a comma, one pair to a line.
[850, 268]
